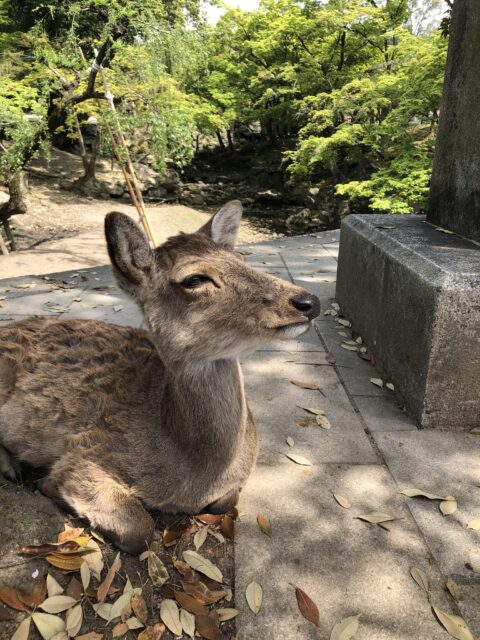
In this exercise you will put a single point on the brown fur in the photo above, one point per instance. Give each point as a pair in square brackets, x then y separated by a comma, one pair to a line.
[121, 417]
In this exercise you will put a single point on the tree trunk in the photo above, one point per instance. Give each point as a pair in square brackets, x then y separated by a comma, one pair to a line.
[454, 201]
[230, 140]
[220, 140]
[17, 188]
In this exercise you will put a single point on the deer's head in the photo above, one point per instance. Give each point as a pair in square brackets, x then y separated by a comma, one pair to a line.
[199, 298]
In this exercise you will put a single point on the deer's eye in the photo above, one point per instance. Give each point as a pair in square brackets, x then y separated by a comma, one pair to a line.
[192, 282]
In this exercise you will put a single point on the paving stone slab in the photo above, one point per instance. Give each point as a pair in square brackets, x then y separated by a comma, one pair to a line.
[469, 605]
[444, 463]
[346, 566]
[381, 414]
[277, 410]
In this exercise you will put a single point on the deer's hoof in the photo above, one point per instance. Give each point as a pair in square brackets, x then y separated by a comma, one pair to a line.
[225, 503]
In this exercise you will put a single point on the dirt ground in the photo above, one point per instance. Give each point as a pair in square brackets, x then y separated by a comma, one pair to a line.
[63, 230]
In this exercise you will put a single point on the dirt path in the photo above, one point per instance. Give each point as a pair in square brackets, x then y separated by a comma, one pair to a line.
[64, 231]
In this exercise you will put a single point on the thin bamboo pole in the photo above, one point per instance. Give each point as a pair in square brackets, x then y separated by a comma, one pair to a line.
[134, 187]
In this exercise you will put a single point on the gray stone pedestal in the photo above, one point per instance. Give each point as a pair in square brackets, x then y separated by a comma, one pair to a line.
[413, 294]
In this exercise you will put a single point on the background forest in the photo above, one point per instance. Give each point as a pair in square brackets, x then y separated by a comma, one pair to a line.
[312, 109]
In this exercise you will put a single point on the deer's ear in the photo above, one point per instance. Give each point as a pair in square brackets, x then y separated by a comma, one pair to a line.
[222, 228]
[128, 249]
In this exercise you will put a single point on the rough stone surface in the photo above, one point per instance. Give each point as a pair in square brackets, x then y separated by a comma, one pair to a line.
[413, 293]
[25, 518]
[444, 464]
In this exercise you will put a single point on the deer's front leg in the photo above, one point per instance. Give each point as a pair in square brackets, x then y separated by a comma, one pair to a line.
[108, 504]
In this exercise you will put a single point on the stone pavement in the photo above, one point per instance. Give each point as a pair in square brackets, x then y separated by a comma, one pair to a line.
[371, 452]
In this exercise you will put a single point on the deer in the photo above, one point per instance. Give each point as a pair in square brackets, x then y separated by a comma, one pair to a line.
[123, 421]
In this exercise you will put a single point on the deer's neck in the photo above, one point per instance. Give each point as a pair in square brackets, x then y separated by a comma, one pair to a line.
[207, 409]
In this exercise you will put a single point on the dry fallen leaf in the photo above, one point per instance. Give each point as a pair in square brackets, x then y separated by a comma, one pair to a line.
[48, 625]
[202, 593]
[70, 533]
[447, 507]
[227, 614]
[323, 422]
[378, 382]
[119, 630]
[316, 412]
[139, 608]
[53, 587]
[107, 583]
[453, 588]
[103, 609]
[207, 626]
[264, 525]
[227, 525]
[200, 537]
[57, 604]
[157, 570]
[376, 517]
[420, 578]
[187, 620]
[120, 605]
[299, 459]
[191, 604]
[307, 606]
[92, 635]
[474, 524]
[343, 322]
[455, 625]
[134, 623]
[23, 630]
[348, 347]
[305, 385]
[413, 493]
[66, 562]
[345, 629]
[254, 595]
[170, 616]
[209, 518]
[94, 558]
[343, 502]
[201, 564]
[152, 633]
[73, 621]
[290, 441]
[390, 386]
[85, 575]
[36, 594]
[330, 358]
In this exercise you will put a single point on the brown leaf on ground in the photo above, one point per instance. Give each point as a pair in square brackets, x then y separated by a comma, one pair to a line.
[75, 589]
[65, 562]
[307, 606]
[139, 608]
[202, 593]
[207, 627]
[367, 357]
[227, 527]
[330, 358]
[190, 603]
[453, 588]
[305, 385]
[119, 630]
[36, 594]
[170, 536]
[233, 513]
[92, 635]
[70, 533]
[264, 525]
[106, 584]
[157, 570]
[210, 518]
[10, 597]
[181, 566]
[167, 591]
[6, 613]
[154, 632]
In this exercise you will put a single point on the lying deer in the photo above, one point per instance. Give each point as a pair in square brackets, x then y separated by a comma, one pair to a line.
[125, 420]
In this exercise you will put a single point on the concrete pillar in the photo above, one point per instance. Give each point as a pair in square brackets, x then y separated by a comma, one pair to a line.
[454, 201]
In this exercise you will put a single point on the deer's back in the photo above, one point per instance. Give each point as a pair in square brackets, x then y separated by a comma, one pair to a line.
[64, 382]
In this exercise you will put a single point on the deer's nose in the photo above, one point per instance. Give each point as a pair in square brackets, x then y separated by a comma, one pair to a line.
[306, 303]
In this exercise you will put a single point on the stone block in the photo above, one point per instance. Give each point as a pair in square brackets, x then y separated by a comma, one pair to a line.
[413, 293]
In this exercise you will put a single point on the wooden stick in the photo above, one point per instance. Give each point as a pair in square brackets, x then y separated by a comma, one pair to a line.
[144, 220]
